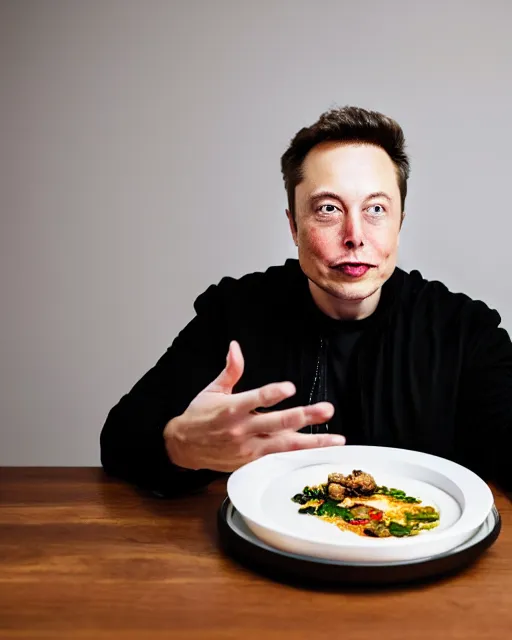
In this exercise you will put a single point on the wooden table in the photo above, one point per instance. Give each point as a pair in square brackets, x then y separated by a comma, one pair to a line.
[82, 556]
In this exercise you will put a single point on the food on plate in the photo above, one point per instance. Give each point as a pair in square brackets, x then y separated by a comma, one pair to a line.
[356, 503]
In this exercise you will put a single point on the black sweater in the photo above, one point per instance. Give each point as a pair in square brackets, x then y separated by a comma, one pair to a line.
[434, 373]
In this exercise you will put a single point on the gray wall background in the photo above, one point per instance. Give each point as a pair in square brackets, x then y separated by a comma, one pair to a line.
[140, 146]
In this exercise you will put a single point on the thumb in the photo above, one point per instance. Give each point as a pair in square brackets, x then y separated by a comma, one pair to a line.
[232, 372]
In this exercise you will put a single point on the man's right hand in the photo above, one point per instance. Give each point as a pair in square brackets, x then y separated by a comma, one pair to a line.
[221, 430]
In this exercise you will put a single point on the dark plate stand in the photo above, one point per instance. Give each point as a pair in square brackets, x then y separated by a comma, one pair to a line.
[285, 567]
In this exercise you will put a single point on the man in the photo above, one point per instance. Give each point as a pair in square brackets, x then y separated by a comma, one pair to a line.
[338, 346]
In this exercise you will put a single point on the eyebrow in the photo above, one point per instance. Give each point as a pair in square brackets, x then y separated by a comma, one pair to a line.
[379, 194]
[324, 194]
[335, 196]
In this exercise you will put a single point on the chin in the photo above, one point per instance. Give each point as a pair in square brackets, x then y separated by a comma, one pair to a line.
[354, 292]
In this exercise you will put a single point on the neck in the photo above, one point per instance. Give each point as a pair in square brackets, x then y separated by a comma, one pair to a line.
[344, 309]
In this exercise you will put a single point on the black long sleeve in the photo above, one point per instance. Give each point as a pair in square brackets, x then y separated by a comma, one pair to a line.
[485, 404]
[132, 444]
[438, 379]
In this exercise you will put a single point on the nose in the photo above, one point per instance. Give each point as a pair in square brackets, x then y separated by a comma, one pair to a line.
[352, 232]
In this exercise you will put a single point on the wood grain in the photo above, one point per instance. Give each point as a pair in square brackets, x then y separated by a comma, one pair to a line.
[83, 556]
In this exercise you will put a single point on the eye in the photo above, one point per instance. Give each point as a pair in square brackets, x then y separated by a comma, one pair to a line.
[376, 209]
[328, 208]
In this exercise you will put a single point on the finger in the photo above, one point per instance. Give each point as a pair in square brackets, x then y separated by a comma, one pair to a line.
[231, 373]
[290, 419]
[266, 396]
[295, 441]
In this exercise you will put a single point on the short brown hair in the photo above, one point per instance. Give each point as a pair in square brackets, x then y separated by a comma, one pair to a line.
[346, 124]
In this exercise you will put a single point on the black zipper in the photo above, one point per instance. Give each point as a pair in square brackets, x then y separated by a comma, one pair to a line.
[318, 391]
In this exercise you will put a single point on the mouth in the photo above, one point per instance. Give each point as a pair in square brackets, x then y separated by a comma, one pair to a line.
[354, 269]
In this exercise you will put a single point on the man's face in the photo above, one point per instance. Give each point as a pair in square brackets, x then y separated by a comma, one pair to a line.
[348, 216]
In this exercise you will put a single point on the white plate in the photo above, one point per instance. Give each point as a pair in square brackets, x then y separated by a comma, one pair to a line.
[262, 490]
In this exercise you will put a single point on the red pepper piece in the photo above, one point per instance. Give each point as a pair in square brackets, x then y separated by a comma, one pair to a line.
[366, 521]
[376, 515]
